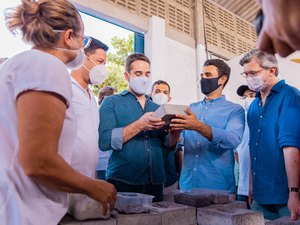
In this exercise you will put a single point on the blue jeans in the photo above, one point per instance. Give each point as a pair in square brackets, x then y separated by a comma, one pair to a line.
[272, 211]
[151, 189]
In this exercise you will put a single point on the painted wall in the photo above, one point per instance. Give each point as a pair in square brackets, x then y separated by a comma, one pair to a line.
[171, 61]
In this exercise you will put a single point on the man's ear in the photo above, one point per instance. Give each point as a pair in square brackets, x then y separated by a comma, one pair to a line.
[169, 99]
[126, 76]
[273, 71]
[223, 79]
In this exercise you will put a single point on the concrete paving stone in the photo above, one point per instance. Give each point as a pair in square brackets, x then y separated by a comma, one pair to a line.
[284, 221]
[217, 196]
[231, 204]
[68, 220]
[151, 218]
[228, 216]
[193, 199]
[175, 214]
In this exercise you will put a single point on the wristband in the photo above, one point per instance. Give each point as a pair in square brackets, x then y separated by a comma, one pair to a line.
[293, 189]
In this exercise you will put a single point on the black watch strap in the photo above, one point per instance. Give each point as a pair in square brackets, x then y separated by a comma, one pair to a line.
[294, 189]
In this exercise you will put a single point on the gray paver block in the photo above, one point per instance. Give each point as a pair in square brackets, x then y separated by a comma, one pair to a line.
[232, 204]
[228, 216]
[193, 199]
[68, 220]
[217, 196]
[175, 214]
[284, 221]
[151, 218]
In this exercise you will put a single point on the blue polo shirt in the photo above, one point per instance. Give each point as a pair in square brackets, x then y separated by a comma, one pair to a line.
[272, 127]
[138, 161]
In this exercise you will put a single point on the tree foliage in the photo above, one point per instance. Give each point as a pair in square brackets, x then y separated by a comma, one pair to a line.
[115, 63]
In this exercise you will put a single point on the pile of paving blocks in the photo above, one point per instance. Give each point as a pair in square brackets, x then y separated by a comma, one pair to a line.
[199, 207]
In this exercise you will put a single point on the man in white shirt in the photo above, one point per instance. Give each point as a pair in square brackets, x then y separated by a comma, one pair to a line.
[86, 109]
[243, 153]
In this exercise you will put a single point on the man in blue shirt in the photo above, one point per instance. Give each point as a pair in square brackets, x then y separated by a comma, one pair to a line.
[134, 136]
[274, 137]
[213, 129]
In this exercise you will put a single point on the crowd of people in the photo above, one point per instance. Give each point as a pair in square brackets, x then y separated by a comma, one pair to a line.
[56, 139]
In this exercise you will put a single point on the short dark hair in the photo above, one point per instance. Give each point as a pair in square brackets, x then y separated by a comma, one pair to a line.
[94, 45]
[242, 89]
[135, 57]
[223, 68]
[160, 82]
[106, 91]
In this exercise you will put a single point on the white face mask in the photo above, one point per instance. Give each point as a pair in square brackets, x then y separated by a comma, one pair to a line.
[78, 61]
[256, 83]
[97, 74]
[160, 98]
[139, 84]
[247, 103]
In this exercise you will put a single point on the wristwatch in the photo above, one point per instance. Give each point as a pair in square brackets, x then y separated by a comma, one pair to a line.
[294, 189]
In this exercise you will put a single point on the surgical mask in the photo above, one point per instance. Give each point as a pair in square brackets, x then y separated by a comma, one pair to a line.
[247, 102]
[256, 83]
[97, 74]
[209, 85]
[160, 98]
[78, 60]
[139, 84]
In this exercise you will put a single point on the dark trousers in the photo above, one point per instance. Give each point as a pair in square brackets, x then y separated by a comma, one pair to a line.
[149, 189]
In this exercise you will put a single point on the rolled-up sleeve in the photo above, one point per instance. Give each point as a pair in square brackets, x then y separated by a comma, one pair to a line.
[289, 130]
[230, 137]
[117, 138]
[110, 137]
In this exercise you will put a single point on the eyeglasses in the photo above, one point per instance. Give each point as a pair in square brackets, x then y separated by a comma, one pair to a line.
[86, 39]
[252, 73]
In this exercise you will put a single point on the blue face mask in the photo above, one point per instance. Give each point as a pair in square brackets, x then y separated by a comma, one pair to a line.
[209, 85]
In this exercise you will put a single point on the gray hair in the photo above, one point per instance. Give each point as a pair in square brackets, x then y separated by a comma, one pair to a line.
[264, 59]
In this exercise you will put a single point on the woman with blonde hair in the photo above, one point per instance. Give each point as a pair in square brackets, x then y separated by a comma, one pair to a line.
[37, 123]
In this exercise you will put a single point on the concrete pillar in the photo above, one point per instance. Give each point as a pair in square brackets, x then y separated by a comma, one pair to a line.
[155, 47]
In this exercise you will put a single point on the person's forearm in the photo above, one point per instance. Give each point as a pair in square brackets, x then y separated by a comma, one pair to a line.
[291, 159]
[54, 173]
[204, 130]
[131, 130]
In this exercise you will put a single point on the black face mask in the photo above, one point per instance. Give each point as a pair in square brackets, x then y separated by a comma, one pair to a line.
[209, 85]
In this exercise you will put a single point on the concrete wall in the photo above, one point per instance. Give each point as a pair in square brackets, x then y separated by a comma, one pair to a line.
[171, 61]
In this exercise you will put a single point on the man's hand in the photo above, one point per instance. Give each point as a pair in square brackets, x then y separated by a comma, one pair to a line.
[147, 122]
[280, 32]
[187, 122]
[294, 204]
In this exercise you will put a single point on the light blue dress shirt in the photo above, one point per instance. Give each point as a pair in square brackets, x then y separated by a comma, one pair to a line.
[211, 164]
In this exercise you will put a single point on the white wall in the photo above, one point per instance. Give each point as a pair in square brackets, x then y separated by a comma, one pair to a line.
[181, 72]
[171, 61]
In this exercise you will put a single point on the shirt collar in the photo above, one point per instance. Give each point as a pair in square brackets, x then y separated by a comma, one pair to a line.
[275, 89]
[126, 92]
[221, 98]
